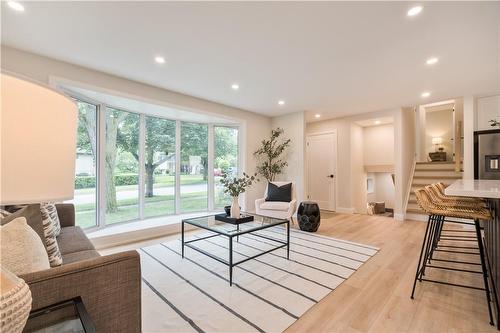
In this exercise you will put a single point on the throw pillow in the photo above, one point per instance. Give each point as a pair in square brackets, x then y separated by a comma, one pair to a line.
[55, 257]
[281, 193]
[51, 211]
[22, 250]
[32, 215]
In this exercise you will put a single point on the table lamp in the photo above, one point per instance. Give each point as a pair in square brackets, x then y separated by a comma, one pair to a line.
[38, 143]
[436, 142]
[37, 163]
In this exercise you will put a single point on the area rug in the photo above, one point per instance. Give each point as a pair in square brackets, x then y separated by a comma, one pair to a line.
[269, 293]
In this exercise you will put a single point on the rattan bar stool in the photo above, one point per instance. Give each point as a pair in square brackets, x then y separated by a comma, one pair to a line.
[438, 197]
[440, 187]
[441, 211]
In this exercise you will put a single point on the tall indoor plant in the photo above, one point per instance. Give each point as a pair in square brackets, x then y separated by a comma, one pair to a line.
[270, 155]
[236, 186]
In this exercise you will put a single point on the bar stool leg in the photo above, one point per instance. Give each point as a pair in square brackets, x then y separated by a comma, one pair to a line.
[437, 235]
[428, 247]
[420, 257]
[483, 265]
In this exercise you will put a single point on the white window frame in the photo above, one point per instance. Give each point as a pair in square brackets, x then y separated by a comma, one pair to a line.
[101, 158]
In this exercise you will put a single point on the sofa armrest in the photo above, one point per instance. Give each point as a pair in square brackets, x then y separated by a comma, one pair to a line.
[66, 213]
[110, 287]
[259, 202]
[291, 207]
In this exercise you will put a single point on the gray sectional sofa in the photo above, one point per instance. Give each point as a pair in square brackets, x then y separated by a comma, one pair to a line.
[110, 285]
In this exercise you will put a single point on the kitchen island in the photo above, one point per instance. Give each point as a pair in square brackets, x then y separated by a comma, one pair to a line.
[489, 190]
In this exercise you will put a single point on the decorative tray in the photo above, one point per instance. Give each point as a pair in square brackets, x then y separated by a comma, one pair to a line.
[228, 219]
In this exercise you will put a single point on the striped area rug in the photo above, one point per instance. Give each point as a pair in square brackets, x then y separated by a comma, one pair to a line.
[268, 294]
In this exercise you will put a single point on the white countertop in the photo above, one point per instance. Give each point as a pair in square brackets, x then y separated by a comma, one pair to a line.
[475, 188]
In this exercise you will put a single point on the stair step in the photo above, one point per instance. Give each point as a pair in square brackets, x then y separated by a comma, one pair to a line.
[437, 173]
[436, 177]
[433, 163]
[415, 211]
[435, 166]
[427, 181]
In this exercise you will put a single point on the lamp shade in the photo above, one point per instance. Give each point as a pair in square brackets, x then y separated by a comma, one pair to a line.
[437, 141]
[38, 140]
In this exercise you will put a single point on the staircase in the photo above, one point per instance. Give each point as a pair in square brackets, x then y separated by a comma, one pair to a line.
[427, 173]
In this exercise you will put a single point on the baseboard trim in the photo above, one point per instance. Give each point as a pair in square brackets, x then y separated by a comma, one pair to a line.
[345, 210]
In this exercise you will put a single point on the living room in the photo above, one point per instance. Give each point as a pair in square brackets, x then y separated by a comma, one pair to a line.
[249, 166]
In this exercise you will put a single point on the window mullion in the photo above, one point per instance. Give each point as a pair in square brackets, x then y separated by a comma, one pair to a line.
[101, 169]
[177, 192]
[211, 154]
[142, 151]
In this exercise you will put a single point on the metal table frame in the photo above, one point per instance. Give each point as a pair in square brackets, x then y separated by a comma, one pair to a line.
[80, 312]
[236, 235]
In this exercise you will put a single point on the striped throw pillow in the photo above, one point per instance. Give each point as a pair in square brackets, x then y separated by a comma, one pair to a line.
[49, 230]
[52, 212]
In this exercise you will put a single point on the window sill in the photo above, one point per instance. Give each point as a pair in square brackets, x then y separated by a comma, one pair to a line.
[126, 233]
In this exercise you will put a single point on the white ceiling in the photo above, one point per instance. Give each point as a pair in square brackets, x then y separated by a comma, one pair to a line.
[332, 58]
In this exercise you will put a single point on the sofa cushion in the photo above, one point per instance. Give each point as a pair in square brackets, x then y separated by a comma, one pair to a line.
[275, 205]
[281, 193]
[49, 230]
[33, 217]
[50, 209]
[79, 256]
[21, 249]
[73, 239]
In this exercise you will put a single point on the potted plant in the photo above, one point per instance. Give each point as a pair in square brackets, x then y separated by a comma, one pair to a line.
[270, 155]
[234, 187]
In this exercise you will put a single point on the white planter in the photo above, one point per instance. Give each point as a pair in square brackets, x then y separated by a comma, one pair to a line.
[235, 208]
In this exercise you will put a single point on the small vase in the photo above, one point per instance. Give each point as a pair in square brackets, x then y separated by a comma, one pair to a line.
[235, 208]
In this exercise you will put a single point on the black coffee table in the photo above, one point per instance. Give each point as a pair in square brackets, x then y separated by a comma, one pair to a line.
[231, 231]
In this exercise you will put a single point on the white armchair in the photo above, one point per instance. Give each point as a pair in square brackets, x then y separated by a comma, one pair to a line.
[277, 209]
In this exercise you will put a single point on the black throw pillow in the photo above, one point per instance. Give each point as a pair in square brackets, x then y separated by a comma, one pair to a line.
[279, 193]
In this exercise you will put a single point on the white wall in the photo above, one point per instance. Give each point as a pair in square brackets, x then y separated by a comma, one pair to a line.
[358, 174]
[294, 126]
[469, 127]
[41, 69]
[405, 149]
[488, 108]
[378, 145]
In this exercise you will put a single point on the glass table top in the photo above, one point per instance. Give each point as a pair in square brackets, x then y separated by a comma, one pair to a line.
[210, 223]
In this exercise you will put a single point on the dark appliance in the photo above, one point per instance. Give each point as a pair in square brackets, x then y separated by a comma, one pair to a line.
[487, 154]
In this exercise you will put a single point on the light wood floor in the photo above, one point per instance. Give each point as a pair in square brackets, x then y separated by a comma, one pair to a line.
[377, 297]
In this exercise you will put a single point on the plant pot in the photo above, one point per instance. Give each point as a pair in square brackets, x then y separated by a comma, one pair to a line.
[235, 208]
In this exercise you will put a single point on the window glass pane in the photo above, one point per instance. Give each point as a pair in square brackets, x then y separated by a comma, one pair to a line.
[85, 199]
[159, 163]
[225, 159]
[194, 163]
[122, 166]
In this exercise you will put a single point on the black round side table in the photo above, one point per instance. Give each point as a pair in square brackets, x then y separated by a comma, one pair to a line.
[308, 216]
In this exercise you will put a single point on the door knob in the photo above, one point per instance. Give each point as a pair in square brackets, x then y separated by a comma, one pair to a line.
[330, 176]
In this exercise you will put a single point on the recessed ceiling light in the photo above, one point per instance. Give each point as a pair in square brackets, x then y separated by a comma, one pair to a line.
[235, 86]
[426, 94]
[432, 61]
[317, 115]
[377, 122]
[16, 6]
[414, 11]
[160, 60]
[281, 102]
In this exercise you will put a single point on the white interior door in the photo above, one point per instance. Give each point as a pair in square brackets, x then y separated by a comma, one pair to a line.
[322, 169]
